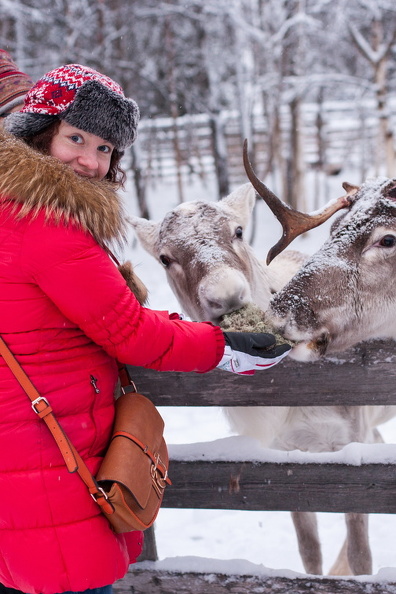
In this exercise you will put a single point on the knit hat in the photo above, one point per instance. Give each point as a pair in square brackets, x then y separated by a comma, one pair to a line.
[83, 98]
[13, 84]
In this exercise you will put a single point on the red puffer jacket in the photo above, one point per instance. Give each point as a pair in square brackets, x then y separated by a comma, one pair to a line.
[67, 314]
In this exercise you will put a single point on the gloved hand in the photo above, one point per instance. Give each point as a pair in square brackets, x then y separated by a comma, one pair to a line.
[245, 352]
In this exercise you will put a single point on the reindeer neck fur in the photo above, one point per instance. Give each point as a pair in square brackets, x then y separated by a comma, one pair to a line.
[267, 280]
[263, 281]
[39, 182]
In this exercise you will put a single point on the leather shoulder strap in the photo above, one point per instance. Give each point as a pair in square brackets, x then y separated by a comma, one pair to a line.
[42, 408]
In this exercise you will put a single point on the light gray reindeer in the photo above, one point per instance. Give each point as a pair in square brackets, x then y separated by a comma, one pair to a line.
[213, 271]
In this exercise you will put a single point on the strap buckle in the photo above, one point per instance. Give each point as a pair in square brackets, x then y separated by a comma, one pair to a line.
[95, 495]
[159, 481]
[35, 402]
[101, 498]
[129, 388]
[126, 382]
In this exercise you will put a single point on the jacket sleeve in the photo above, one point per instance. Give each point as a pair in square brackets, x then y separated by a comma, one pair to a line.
[77, 275]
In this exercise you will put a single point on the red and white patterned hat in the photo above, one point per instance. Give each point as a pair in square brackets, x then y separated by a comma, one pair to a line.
[83, 98]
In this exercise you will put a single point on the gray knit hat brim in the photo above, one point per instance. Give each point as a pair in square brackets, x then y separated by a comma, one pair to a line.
[24, 125]
[95, 109]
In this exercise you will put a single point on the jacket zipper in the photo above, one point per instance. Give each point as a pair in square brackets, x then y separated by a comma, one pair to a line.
[93, 382]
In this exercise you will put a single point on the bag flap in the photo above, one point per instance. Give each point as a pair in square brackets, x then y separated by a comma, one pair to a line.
[137, 415]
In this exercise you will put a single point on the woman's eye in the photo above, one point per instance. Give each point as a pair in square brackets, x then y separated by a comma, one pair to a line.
[388, 241]
[165, 261]
[104, 149]
[76, 138]
[239, 232]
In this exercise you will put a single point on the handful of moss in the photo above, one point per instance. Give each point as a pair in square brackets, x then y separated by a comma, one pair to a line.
[250, 318]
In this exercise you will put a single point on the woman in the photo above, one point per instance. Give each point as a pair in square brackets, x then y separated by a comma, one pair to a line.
[68, 315]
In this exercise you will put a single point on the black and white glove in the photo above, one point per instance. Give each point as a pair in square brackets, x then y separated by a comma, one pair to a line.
[246, 352]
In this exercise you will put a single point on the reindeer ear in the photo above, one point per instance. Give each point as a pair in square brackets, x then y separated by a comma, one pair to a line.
[350, 188]
[241, 201]
[147, 232]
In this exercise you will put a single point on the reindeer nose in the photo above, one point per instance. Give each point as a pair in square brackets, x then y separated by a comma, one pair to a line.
[228, 293]
[227, 305]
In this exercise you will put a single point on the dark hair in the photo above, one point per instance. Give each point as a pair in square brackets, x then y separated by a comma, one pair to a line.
[41, 142]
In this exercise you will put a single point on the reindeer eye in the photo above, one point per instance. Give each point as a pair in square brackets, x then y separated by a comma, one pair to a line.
[165, 261]
[239, 232]
[388, 241]
[392, 193]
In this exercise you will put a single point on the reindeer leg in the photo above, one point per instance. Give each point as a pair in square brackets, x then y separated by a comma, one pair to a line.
[358, 550]
[306, 526]
[355, 555]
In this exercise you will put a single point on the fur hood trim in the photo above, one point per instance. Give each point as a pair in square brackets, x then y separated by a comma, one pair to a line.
[42, 182]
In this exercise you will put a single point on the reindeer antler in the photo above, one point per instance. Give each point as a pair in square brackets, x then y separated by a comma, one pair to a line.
[293, 222]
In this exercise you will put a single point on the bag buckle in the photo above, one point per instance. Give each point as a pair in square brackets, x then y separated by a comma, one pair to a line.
[35, 402]
[105, 504]
[159, 482]
[93, 495]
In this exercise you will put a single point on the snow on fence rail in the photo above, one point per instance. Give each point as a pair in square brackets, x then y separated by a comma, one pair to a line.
[234, 473]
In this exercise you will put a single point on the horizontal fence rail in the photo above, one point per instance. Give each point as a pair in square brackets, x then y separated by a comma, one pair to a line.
[144, 579]
[365, 374]
[268, 486]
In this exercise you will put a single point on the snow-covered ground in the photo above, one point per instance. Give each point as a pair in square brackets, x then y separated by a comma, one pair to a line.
[266, 538]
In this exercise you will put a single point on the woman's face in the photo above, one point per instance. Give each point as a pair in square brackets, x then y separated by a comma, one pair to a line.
[88, 155]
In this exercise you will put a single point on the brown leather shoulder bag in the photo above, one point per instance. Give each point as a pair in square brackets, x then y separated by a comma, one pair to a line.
[131, 481]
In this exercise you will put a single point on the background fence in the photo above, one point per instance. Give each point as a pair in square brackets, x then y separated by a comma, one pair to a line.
[336, 137]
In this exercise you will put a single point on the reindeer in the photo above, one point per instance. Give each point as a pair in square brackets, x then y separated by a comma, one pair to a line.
[213, 271]
[209, 266]
[342, 295]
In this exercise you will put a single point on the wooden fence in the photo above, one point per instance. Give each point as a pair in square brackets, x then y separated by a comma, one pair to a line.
[349, 141]
[365, 375]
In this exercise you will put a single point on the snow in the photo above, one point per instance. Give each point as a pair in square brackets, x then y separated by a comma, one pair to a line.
[241, 448]
[251, 542]
[210, 566]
